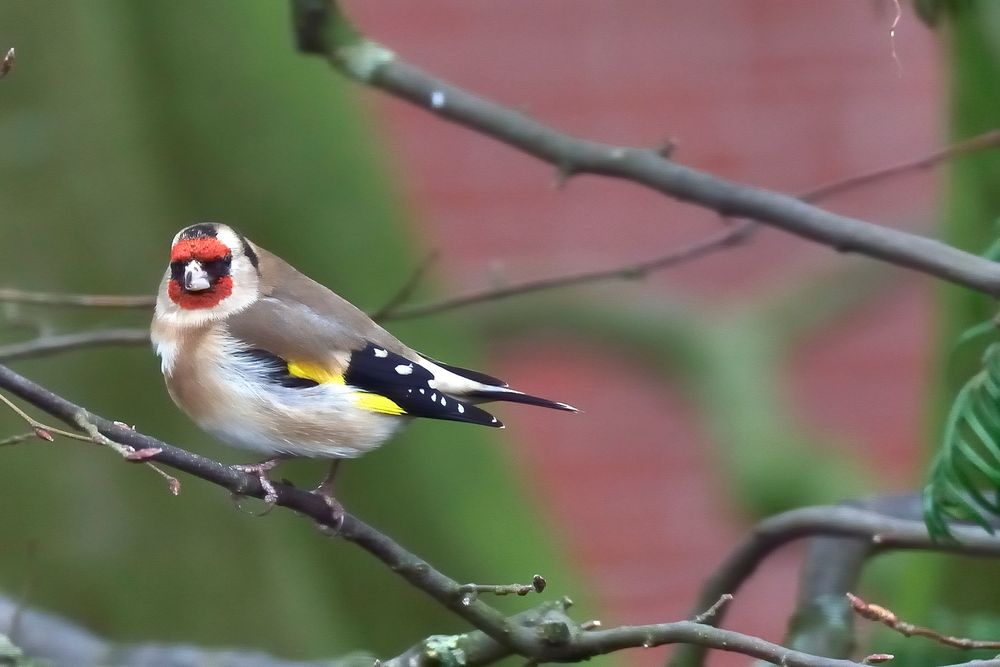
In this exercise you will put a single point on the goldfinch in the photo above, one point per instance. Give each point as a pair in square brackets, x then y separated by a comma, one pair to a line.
[264, 358]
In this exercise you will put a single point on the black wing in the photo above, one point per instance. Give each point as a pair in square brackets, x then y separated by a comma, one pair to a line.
[410, 386]
[275, 369]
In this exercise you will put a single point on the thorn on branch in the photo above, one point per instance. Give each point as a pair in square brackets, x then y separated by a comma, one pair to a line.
[667, 148]
[564, 172]
[8, 63]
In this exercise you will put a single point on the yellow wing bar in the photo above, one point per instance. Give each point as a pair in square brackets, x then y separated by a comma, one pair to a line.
[365, 400]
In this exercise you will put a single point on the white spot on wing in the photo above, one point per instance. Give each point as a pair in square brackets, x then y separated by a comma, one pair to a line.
[423, 391]
[461, 409]
[404, 369]
[434, 396]
[380, 353]
[443, 402]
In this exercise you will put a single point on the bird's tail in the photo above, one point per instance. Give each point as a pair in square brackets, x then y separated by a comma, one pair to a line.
[487, 394]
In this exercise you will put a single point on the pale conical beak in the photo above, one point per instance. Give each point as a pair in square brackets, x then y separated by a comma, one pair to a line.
[195, 277]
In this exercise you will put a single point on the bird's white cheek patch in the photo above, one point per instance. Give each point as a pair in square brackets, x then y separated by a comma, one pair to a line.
[167, 351]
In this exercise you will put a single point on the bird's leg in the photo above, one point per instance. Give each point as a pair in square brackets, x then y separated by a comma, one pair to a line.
[325, 491]
[260, 470]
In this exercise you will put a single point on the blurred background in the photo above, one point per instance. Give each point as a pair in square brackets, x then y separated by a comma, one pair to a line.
[758, 379]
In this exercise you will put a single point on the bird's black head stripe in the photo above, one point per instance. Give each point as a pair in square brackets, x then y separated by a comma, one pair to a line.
[248, 251]
[200, 230]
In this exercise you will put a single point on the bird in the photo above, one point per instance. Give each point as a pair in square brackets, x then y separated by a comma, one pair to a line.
[264, 358]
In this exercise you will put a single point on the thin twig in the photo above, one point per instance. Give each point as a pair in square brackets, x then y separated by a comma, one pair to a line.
[407, 289]
[717, 606]
[82, 421]
[48, 344]
[537, 585]
[395, 308]
[323, 29]
[738, 234]
[886, 617]
[984, 141]
[11, 295]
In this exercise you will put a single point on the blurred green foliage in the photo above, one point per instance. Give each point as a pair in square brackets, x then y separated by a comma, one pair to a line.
[934, 586]
[122, 122]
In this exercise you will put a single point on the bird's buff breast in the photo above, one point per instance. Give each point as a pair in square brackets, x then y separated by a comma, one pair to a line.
[228, 397]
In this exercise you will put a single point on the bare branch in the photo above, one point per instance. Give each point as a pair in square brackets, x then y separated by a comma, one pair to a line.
[548, 641]
[883, 532]
[142, 301]
[984, 141]
[60, 343]
[82, 421]
[322, 28]
[737, 235]
[537, 585]
[886, 617]
[406, 290]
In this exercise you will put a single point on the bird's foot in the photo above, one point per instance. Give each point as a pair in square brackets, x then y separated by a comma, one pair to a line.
[325, 492]
[260, 470]
[337, 513]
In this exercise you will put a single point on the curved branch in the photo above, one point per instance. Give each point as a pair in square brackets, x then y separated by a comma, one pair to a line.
[322, 29]
[865, 521]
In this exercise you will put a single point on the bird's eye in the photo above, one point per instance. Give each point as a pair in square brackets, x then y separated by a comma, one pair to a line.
[219, 267]
[177, 272]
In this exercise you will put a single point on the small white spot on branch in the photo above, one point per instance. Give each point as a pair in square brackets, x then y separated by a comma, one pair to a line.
[437, 99]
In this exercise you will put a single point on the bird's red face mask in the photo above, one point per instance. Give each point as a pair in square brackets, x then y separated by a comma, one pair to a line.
[199, 272]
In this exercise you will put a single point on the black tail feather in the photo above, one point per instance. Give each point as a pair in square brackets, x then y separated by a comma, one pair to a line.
[511, 396]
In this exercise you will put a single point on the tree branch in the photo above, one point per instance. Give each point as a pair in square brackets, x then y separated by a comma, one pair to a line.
[322, 29]
[883, 532]
[48, 344]
[562, 641]
[737, 235]
[888, 618]
[984, 141]
[11, 295]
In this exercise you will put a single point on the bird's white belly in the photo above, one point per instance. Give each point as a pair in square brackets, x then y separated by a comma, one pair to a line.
[321, 421]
